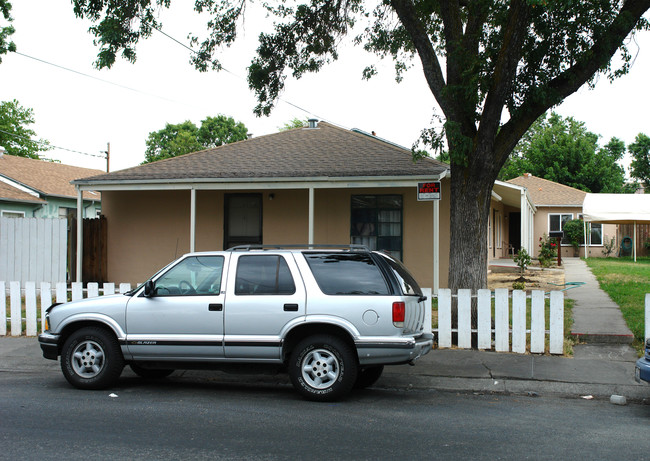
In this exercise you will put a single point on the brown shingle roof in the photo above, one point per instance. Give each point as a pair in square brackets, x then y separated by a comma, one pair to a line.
[326, 151]
[548, 193]
[45, 177]
[11, 193]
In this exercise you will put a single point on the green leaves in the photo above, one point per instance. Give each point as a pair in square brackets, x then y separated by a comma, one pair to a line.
[640, 166]
[183, 138]
[15, 137]
[6, 45]
[563, 150]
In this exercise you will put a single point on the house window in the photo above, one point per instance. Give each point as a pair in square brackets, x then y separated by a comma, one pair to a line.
[12, 214]
[376, 222]
[595, 234]
[556, 223]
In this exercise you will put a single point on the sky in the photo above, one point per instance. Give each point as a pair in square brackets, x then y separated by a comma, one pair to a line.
[80, 109]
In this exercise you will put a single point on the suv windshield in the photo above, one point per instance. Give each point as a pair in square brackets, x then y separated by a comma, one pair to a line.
[406, 281]
[346, 273]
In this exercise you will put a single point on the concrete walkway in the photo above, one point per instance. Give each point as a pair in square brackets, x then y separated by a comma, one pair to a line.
[596, 318]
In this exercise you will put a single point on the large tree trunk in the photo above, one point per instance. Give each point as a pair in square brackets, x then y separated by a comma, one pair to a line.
[471, 191]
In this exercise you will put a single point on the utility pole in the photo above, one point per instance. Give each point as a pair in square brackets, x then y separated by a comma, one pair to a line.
[108, 157]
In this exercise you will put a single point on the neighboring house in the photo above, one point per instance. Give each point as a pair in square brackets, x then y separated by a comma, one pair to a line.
[556, 204]
[32, 188]
[321, 184]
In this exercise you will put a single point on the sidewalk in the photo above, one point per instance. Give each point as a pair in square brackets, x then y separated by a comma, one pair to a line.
[596, 318]
[599, 371]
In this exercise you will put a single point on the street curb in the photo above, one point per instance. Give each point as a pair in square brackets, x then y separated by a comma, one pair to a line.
[514, 386]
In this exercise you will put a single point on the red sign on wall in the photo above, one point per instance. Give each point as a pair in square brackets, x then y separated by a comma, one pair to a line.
[429, 190]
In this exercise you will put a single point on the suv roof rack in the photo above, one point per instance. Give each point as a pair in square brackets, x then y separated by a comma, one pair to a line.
[350, 247]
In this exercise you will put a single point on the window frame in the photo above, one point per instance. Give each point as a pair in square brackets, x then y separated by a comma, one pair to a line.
[376, 210]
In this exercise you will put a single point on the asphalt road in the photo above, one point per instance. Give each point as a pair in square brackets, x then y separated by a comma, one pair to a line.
[203, 416]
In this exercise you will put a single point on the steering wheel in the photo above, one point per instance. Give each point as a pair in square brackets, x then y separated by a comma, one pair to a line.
[185, 287]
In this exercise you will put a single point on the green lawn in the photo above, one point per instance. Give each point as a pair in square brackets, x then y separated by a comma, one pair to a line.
[627, 283]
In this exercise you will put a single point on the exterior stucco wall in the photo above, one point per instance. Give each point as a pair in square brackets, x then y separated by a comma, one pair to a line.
[542, 227]
[148, 229]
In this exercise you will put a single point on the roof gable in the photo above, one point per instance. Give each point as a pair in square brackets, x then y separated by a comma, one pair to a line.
[325, 151]
[45, 178]
[549, 193]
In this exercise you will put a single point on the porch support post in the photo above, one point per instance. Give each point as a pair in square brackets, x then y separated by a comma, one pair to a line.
[436, 246]
[192, 220]
[80, 233]
[311, 216]
[634, 242]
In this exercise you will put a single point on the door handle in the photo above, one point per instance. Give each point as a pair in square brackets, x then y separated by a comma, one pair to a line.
[291, 307]
[215, 307]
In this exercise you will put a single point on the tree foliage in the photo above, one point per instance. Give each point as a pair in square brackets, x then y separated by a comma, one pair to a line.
[481, 59]
[640, 166]
[183, 138]
[563, 150]
[15, 136]
[294, 123]
[6, 30]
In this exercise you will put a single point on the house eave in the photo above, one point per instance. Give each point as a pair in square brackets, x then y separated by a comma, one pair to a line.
[322, 182]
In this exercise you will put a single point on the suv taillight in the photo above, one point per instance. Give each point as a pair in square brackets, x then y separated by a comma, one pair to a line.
[399, 311]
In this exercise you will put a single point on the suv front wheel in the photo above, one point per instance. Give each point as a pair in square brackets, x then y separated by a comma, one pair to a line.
[323, 368]
[91, 359]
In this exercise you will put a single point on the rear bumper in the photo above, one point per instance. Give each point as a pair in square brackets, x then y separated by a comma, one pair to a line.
[49, 345]
[393, 351]
[642, 371]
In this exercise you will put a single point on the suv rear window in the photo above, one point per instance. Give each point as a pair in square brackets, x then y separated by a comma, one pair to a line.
[346, 273]
[407, 283]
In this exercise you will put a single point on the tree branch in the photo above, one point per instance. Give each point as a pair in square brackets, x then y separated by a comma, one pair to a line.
[505, 69]
[430, 64]
[569, 81]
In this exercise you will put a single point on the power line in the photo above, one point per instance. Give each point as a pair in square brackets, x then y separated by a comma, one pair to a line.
[47, 144]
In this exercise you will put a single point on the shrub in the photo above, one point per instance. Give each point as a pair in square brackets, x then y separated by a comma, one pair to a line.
[610, 246]
[547, 251]
[574, 233]
[518, 285]
[522, 259]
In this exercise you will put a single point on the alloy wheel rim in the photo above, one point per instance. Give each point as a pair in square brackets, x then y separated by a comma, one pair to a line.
[320, 368]
[87, 359]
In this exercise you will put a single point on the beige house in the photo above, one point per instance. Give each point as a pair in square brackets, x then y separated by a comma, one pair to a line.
[320, 184]
[557, 204]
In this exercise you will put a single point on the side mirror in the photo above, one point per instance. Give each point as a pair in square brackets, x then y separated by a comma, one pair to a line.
[149, 289]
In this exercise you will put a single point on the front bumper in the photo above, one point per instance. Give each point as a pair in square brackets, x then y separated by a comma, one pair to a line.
[49, 345]
[642, 370]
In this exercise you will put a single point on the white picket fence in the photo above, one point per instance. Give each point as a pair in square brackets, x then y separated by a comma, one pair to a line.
[33, 249]
[497, 332]
[26, 299]
[503, 336]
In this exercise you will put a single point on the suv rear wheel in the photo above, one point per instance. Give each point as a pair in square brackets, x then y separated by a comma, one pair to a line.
[323, 368]
[368, 376]
[91, 359]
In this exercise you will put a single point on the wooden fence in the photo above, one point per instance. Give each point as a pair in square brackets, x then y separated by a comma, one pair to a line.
[33, 249]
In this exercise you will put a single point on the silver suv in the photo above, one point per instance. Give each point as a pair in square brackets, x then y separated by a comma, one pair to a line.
[330, 317]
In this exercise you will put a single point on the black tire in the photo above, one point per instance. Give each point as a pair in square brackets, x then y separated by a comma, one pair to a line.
[323, 368]
[91, 359]
[368, 376]
[150, 373]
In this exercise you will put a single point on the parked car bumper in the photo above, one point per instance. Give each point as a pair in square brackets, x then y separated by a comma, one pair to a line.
[391, 351]
[642, 371]
[49, 345]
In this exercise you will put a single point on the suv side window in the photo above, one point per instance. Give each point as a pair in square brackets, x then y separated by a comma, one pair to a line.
[198, 275]
[263, 275]
[347, 273]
